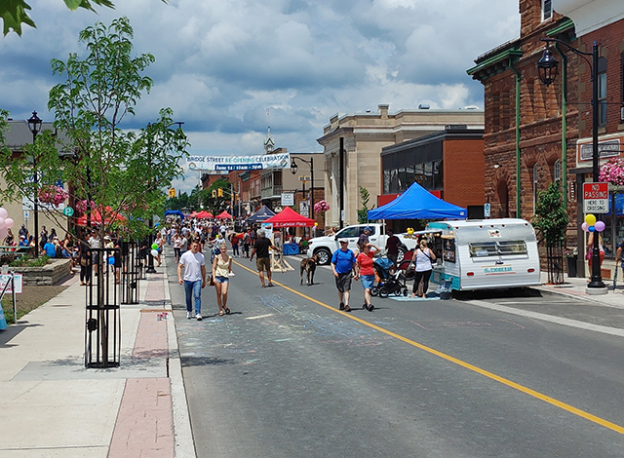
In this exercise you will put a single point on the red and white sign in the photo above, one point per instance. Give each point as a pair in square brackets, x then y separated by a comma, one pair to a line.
[596, 197]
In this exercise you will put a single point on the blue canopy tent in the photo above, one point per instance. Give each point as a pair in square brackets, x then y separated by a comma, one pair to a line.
[177, 213]
[417, 203]
[262, 214]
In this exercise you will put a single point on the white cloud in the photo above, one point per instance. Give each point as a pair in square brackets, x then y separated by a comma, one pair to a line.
[220, 64]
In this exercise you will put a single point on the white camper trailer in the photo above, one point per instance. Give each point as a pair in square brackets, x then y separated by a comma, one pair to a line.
[485, 254]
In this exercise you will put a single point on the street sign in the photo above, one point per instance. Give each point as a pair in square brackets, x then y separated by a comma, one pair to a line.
[596, 197]
[68, 211]
[304, 178]
[288, 199]
[486, 210]
[4, 279]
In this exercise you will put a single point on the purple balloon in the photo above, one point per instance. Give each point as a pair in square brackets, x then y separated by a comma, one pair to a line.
[592, 228]
[600, 226]
[585, 227]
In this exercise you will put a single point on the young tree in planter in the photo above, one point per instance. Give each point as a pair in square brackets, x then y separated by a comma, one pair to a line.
[363, 212]
[551, 222]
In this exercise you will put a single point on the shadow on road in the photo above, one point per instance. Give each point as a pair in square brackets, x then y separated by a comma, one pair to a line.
[496, 294]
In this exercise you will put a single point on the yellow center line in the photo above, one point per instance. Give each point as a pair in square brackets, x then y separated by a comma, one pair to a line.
[459, 362]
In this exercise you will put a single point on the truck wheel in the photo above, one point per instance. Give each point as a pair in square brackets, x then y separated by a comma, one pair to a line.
[401, 255]
[324, 256]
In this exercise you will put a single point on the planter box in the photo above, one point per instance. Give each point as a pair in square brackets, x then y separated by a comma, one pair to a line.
[54, 272]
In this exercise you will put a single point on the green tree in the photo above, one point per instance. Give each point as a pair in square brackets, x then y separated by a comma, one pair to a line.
[363, 212]
[551, 219]
[14, 12]
[121, 172]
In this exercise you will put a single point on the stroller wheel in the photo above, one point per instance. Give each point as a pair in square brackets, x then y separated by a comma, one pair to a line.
[383, 293]
[404, 291]
[374, 291]
[397, 292]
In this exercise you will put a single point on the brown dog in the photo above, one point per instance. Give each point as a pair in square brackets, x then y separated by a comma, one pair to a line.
[308, 265]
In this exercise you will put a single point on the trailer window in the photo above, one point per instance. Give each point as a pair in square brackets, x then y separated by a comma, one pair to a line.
[509, 248]
[503, 248]
[482, 250]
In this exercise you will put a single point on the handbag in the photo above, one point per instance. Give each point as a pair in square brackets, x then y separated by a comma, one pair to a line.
[588, 255]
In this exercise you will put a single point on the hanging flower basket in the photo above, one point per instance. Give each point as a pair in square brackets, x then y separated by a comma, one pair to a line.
[321, 206]
[612, 172]
[81, 206]
[52, 195]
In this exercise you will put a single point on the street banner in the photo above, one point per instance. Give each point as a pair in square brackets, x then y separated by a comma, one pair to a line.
[234, 163]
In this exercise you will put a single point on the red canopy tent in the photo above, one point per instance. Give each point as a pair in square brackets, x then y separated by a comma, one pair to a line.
[289, 218]
[96, 218]
[192, 215]
[204, 214]
[224, 215]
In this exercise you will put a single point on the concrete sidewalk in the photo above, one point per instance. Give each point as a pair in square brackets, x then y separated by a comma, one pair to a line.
[577, 287]
[52, 406]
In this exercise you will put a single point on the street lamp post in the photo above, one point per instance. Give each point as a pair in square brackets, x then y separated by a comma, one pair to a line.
[34, 125]
[547, 68]
[293, 169]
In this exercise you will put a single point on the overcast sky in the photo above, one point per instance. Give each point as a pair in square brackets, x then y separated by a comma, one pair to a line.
[222, 64]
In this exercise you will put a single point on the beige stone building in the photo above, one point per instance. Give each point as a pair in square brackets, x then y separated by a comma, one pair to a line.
[363, 135]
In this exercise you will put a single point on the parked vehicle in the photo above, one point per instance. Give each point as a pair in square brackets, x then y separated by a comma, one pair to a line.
[324, 247]
[485, 254]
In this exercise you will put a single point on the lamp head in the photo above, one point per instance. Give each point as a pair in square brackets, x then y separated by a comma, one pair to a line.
[547, 67]
[293, 167]
[34, 123]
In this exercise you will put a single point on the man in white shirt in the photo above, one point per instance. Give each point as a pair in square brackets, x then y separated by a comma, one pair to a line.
[194, 265]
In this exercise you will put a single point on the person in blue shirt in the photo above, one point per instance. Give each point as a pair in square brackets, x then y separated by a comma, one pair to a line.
[342, 264]
[50, 249]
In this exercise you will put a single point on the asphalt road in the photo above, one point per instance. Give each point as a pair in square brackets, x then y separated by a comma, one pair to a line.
[287, 375]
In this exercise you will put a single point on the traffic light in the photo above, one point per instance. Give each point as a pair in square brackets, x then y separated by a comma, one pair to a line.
[172, 192]
[214, 193]
[220, 192]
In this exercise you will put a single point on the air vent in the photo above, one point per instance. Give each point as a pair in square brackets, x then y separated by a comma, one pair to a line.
[423, 107]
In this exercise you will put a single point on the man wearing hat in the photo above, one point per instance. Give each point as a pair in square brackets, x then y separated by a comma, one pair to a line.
[342, 263]
[23, 231]
[363, 240]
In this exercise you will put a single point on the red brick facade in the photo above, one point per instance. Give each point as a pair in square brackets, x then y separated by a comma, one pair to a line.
[464, 180]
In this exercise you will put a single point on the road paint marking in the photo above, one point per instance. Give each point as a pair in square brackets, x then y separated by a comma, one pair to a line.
[537, 395]
[260, 316]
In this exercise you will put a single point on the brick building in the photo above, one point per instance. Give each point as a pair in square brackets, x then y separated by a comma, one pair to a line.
[534, 134]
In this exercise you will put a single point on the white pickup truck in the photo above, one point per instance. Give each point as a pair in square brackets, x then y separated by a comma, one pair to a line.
[324, 247]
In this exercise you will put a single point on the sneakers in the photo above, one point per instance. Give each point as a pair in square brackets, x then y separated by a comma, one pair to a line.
[341, 306]
[189, 315]
[370, 307]
[199, 317]
[270, 285]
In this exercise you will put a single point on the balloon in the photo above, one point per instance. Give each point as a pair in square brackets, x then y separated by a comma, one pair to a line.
[155, 253]
[592, 228]
[3, 233]
[8, 222]
[3, 213]
[154, 246]
[315, 224]
[1, 222]
[111, 260]
[585, 227]
[590, 219]
[600, 226]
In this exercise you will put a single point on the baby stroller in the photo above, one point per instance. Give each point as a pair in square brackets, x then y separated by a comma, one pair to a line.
[391, 280]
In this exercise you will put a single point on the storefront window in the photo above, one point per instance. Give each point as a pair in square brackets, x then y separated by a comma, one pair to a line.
[394, 181]
[428, 184]
[402, 179]
[386, 181]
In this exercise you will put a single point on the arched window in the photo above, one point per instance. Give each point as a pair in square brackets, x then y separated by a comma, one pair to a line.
[535, 177]
[557, 170]
[602, 91]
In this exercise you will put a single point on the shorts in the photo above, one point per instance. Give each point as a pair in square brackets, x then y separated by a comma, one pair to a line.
[220, 279]
[263, 264]
[343, 282]
[368, 281]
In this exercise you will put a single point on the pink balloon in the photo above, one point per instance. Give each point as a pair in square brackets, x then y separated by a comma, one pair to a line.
[3, 213]
[585, 227]
[9, 223]
[600, 226]
[3, 233]
[1, 222]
